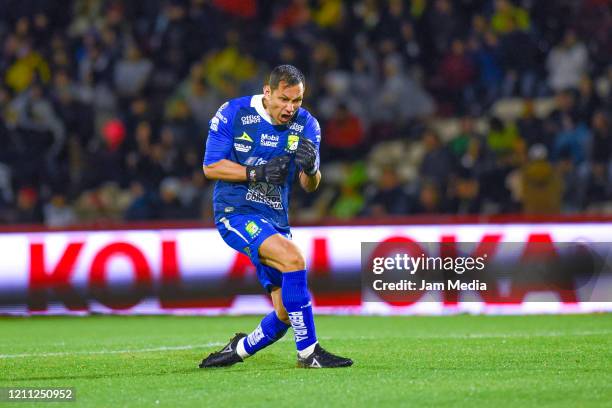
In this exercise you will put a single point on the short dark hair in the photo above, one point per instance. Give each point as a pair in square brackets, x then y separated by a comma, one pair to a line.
[286, 73]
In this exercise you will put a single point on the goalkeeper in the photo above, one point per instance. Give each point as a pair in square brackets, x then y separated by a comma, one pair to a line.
[256, 145]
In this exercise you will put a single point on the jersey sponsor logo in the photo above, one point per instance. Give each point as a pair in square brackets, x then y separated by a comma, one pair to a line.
[221, 117]
[250, 119]
[242, 147]
[292, 143]
[252, 229]
[265, 193]
[269, 140]
[299, 328]
[214, 124]
[245, 137]
[296, 127]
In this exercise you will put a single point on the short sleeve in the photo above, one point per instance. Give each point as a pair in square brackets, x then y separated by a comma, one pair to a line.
[219, 142]
[312, 131]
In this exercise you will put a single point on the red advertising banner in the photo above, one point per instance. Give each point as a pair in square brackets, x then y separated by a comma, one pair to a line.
[185, 270]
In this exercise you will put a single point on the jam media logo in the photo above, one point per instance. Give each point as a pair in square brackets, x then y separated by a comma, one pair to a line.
[292, 143]
[252, 229]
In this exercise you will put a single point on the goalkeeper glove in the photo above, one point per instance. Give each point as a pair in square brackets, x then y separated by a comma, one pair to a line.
[306, 156]
[273, 172]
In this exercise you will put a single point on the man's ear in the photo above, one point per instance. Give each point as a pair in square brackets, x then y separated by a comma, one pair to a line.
[267, 91]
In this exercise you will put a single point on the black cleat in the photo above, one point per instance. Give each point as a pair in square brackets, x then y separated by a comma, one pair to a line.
[320, 358]
[227, 356]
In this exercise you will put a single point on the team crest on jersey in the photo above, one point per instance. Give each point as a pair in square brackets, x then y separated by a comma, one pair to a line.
[265, 193]
[292, 143]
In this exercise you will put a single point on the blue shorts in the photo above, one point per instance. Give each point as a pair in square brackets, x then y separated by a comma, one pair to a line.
[246, 233]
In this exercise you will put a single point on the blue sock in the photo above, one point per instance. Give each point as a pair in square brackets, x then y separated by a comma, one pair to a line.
[296, 300]
[269, 330]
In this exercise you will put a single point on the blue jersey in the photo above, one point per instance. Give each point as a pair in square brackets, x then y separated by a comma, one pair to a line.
[242, 131]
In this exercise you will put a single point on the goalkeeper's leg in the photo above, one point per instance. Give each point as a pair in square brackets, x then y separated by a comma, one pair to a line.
[272, 328]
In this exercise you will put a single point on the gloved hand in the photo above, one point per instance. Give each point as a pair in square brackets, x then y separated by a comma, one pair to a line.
[274, 172]
[306, 156]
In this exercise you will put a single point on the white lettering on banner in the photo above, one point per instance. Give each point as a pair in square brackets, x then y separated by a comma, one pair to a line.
[79, 261]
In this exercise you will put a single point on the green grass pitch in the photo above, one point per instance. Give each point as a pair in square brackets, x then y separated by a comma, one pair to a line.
[115, 361]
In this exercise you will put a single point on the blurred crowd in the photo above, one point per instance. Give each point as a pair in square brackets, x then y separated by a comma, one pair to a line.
[105, 104]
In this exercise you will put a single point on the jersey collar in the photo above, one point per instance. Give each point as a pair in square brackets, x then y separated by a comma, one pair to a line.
[257, 103]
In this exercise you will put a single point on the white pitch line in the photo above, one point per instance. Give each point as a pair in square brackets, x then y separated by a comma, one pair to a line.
[145, 350]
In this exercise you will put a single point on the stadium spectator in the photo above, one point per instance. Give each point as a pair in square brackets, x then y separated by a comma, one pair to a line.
[601, 147]
[574, 137]
[598, 188]
[132, 72]
[57, 213]
[456, 75]
[387, 196]
[464, 196]
[567, 63]
[508, 17]
[531, 128]
[541, 187]
[520, 61]
[349, 203]
[459, 144]
[161, 68]
[344, 136]
[503, 138]
[486, 54]
[586, 100]
[28, 210]
[572, 182]
[438, 161]
[428, 199]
